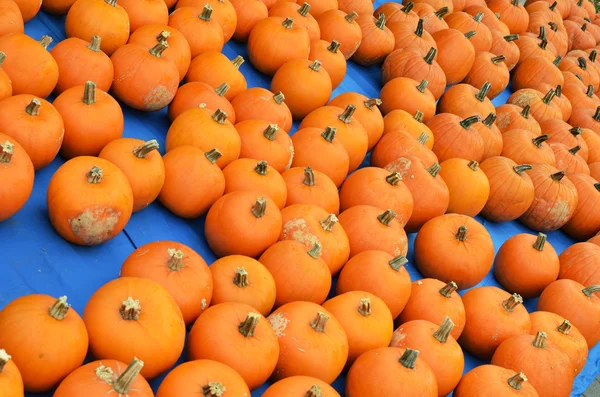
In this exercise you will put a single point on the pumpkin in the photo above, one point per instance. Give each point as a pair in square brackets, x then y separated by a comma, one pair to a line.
[437, 4]
[583, 96]
[564, 103]
[28, 64]
[377, 40]
[17, 174]
[296, 385]
[100, 378]
[489, 19]
[320, 151]
[506, 46]
[350, 132]
[466, 247]
[456, 54]
[391, 371]
[249, 13]
[331, 58]
[569, 160]
[464, 100]
[11, 19]
[43, 365]
[541, 106]
[579, 263]
[586, 118]
[406, 36]
[494, 381]
[512, 13]
[242, 279]
[214, 69]
[300, 15]
[10, 377]
[360, 6]
[205, 130]
[579, 66]
[249, 174]
[513, 117]
[305, 84]
[563, 7]
[404, 93]
[396, 12]
[389, 153]
[584, 223]
[579, 36]
[492, 137]
[368, 115]
[402, 121]
[337, 25]
[312, 342]
[223, 12]
[145, 322]
[384, 231]
[531, 45]
[468, 186]
[436, 347]
[192, 94]
[183, 380]
[525, 147]
[202, 32]
[592, 140]
[91, 64]
[511, 189]
[447, 128]
[433, 20]
[261, 104]
[261, 140]
[318, 7]
[29, 9]
[149, 12]
[307, 186]
[104, 18]
[463, 22]
[549, 368]
[557, 35]
[92, 119]
[489, 68]
[242, 223]
[5, 83]
[595, 170]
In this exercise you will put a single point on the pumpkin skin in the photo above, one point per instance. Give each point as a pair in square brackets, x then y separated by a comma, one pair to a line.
[306, 186]
[464, 100]
[249, 13]
[404, 93]
[92, 119]
[179, 269]
[592, 141]
[223, 12]
[201, 30]
[555, 199]
[584, 223]
[337, 25]
[11, 19]
[262, 140]
[513, 15]
[332, 59]
[562, 7]
[150, 12]
[377, 40]
[537, 72]
[29, 65]
[368, 114]
[463, 22]
[92, 64]
[261, 104]
[17, 173]
[513, 117]
[380, 274]
[433, 20]
[300, 14]
[141, 313]
[407, 35]
[248, 174]
[320, 350]
[586, 118]
[104, 18]
[549, 368]
[491, 381]
[10, 377]
[5, 83]
[525, 147]
[400, 120]
[468, 186]
[492, 316]
[531, 45]
[102, 206]
[579, 263]
[214, 68]
[193, 94]
[396, 12]
[561, 132]
[42, 365]
[360, 6]
[447, 128]
[492, 137]
[456, 54]
[488, 67]
[505, 45]
[406, 374]
[183, 380]
[569, 160]
[389, 153]
[299, 386]
[542, 107]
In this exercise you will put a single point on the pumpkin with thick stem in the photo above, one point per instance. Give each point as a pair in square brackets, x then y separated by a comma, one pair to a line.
[223, 12]
[464, 100]
[262, 140]
[331, 58]
[377, 40]
[581, 67]
[389, 153]
[300, 386]
[538, 73]
[17, 174]
[195, 94]
[463, 22]
[561, 132]
[569, 160]
[391, 371]
[312, 342]
[402, 121]
[579, 262]
[433, 20]
[492, 137]
[407, 36]
[456, 54]
[513, 117]
[586, 118]
[261, 104]
[447, 128]
[104, 18]
[300, 14]
[526, 147]
[103, 377]
[11, 18]
[468, 186]
[10, 377]
[492, 316]
[579, 37]
[541, 106]
[511, 189]
[308, 186]
[249, 13]
[404, 93]
[489, 68]
[337, 25]
[92, 119]
[202, 32]
[249, 174]
[148, 12]
[512, 13]
[461, 243]
[396, 12]
[89, 200]
[368, 114]
[505, 45]
[494, 381]
[214, 69]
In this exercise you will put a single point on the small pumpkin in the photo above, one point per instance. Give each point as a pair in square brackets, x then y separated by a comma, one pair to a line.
[579, 37]
[541, 106]
[569, 160]
[249, 13]
[402, 121]
[463, 22]
[537, 72]
[391, 150]
[564, 103]
[148, 12]
[512, 13]
[579, 66]
[17, 174]
[10, 377]
[223, 12]
[489, 68]
[377, 40]
[492, 137]
[331, 58]
[289, 387]
[584, 223]
[433, 20]
[300, 14]
[396, 12]
[468, 186]
[490, 19]
[368, 115]
[506, 46]
[202, 32]
[406, 36]
[464, 100]
[261, 140]
[307, 186]
[261, 104]
[249, 174]
[513, 117]
[561, 132]
[456, 54]
[447, 128]
[337, 25]
[531, 45]
[586, 118]
[579, 263]
[525, 147]
[480, 381]
[592, 140]
[583, 96]
[404, 93]
[5, 83]
[11, 18]
[193, 94]
[214, 69]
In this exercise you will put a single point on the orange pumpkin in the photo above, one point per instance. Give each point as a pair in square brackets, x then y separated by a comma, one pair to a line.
[506, 46]
[592, 141]
[223, 12]
[300, 14]
[512, 13]
[389, 153]
[463, 22]
[406, 36]
[337, 25]
[449, 128]
[262, 140]
[10, 377]
[468, 186]
[404, 93]
[513, 117]
[360, 6]
[569, 160]
[531, 45]
[202, 32]
[17, 175]
[193, 94]
[586, 118]
[11, 18]
[433, 20]
[249, 13]
[464, 100]
[318, 6]
[542, 107]
[561, 132]
[580, 94]
[148, 12]
[489, 68]
[456, 54]
[5, 83]
[579, 263]
[396, 12]
[248, 174]
[400, 120]
[492, 380]
[307, 186]
[492, 137]
[331, 58]
[261, 104]
[526, 147]
[214, 69]
[538, 72]
[377, 40]
[292, 386]
[368, 115]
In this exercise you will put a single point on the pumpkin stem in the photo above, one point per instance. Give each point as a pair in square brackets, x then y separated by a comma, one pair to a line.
[441, 12]
[159, 48]
[557, 61]
[380, 21]
[206, 13]
[130, 309]
[315, 251]
[238, 61]
[421, 87]
[482, 94]
[590, 91]
[596, 115]
[145, 148]
[45, 41]
[4, 359]
[470, 34]
[584, 27]
[112, 3]
[334, 46]
[279, 98]
[304, 9]
[213, 155]
[542, 35]
[346, 116]
[448, 289]
[419, 116]
[2, 58]
[593, 55]
[393, 179]
[163, 36]
[511, 37]
[512, 302]
[222, 89]
[591, 290]
[540, 340]
[271, 132]
[515, 3]
[549, 96]
[558, 176]
[537, 141]
[33, 109]
[123, 383]
[540, 242]
[578, 76]
[94, 175]
[6, 152]
[94, 44]
[288, 23]
[575, 149]
[59, 309]
[497, 59]
[175, 262]
[489, 120]
[387, 217]
[423, 138]
[329, 134]
[497, 15]
[519, 169]
[434, 170]
[309, 177]
[525, 112]
[419, 30]
[364, 307]
[516, 381]
[407, 7]
[371, 103]
[408, 359]
[328, 223]
[219, 116]
[430, 55]
[318, 324]
[553, 26]
[241, 277]
[443, 332]
[558, 90]
[89, 93]
[543, 44]
[565, 327]
[461, 234]
[316, 66]
[469, 121]
[582, 63]
[261, 168]
[260, 207]
[248, 326]
[213, 389]
[397, 262]
[314, 391]
[474, 165]
[352, 16]
[553, 6]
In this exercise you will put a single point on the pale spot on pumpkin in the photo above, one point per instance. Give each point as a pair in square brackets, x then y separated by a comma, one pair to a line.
[297, 229]
[524, 98]
[397, 337]
[279, 323]
[289, 164]
[560, 213]
[419, 282]
[203, 304]
[158, 97]
[502, 122]
[95, 225]
[401, 165]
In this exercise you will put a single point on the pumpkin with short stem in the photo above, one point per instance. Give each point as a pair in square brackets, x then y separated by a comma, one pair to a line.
[308, 186]
[489, 68]
[464, 100]
[586, 118]
[581, 67]
[538, 73]
[368, 114]
[583, 96]
[579, 262]
[489, 19]
[300, 14]
[561, 132]
[90, 62]
[392, 371]
[145, 322]
[214, 69]
[259, 176]
[223, 12]
[526, 147]
[401, 121]
[92, 119]
[531, 45]
[389, 153]
[433, 20]
[10, 377]
[249, 13]
[564, 103]
[377, 40]
[200, 29]
[468, 186]
[569, 160]
[396, 12]
[406, 36]
[447, 128]
[513, 117]
[205, 130]
[456, 54]
[337, 25]
[511, 189]
[305, 84]
[579, 37]
[148, 12]
[465, 245]
[262, 140]
[104, 18]
[261, 104]
[312, 342]
[89, 200]
[463, 22]
[492, 137]
[506, 46]
[512, 13]
[42, 365]
[179, 269]
[318, 7]
[29, 65]
[300, 386]
[585, 222]
[11, 18]
[331, 58]
[492, 380]
[541, 106]
[404, 93]
[103, 377]
[5, 83]
[17, 175]
[192, 94]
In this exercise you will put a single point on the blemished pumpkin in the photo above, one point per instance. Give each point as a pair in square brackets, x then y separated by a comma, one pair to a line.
[492, 137]
[456, 54]
[513, 117]
[262, 140]
[511, 189]
[192, 95]
[11, 18]
[447, 128]
[218, 378]
[80, 61]
[337, 25]
[512, 13]
[197, 169]
[223, 12]
[390, 151]
[101, 207]
[526, 147]
[407, 36]
[541, 106]
[249, 13]
[404, 93]
[494, 381]
[249, 174]
[238, 278]
[377, 40]
[312, 342]
[464, 100]
[468, 186]
[492, 316]
[148, 12]
[258, 103]
[17, 175]
[579, 263]
[489, 68]
[331, 58]
[400, 120]
[10, 377]
[92, 119]
[214, 68]
[202, 32]
[300, 14]
[569, 160]
[505, 45]
[104, 18]
[297, 385]
[368, 114]
[179, 269]
[463, 22]
[465, 245]
[145, 323]
[307, 186]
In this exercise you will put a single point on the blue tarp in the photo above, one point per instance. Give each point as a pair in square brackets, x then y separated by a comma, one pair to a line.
[36, 260]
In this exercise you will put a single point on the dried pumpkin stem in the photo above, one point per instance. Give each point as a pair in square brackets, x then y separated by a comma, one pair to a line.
[94, 175]
[589, 291]
[279, 98]
[373, 102]
[318, 324]
[479, 17]
[511, 37]
[45, 41]
[517, 381]
[145, 148]
[443, 332]
[351, 17]
[497, 59]
[558, 176]
[540, 242]
[512, 302]
[407, 8]
[461, 234]
[430, 55]
[316, 66]
[537, 141]
[565, 327]
[346, 116]
[159, 48]
[304, 9]
[419, 30]
[393, 179]
[288, 23]
[222, 89]
[380, 21]
[334, 46]
[474, 165]
[261, 168]
[259, 208]
[315, 391]
[574, 150]
[309, 177]
[271, 132]
[219, 116]
[59, 309]
[4, 359]
[482, 94]
[419, 116]
[329, 134]
[387, 217]
[397, 262]
[448, 289]
[590, 91]
[213, 389]
[584, 27]
[423, 138]
[95, 43]
[557, 60]
[6, 152]
[470, 34]
[434, 170]
[248, 326]
[328, 223]
[422, 85]
[315, 251]
[213, 155]
[130, 309]
[525, 112]
[489, 120]
[123, 383]
[163, 36]
[238, 61]
[364, 307]
[175, 262]
[540, 340]
[105, 374]
[409, 358]
[206, 13]
[89, 93]
[33, 109]
[521, 168]
[240, 278]
[596, 115]
[441, 13]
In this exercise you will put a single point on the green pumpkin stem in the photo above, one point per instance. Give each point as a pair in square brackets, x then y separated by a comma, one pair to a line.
[543, 44]
[112, 3]
[537, 141]
[434, 170]
[478, 17]
[334, 46]
[441, 13]
[364, 307]
[511, 37]
[525, 112]
[512, 302]
[597, 186]
[409, 358]
[261, 168]
[94, 44]
[89, 93]
[553, 26]
[206, 13]
[373, 102]
[145, 148]
[469, 121]
[582, 63]
[558, 176]
[521, 168]
[575, 131]
[447, 290]
[470, 34]
[497, 59]
[315, 391]
[558, 90]
[489, 120]
[540, 340]
[422, 85]
[304, 9]
[6, 152]
[419, 116]
[387, 217]
[315, 251]
[214, 155]
[328, 223]
[443, 332]
[407, 8]
[540, 242]
[159, 48]
[397, 262]
[45, 41]
[352, 17]
[319, 323]
[219, 116]
[163, 36]
[240, 279]
[419, 30]
[380, 21]
[593, 56]
[123, 383]
[482, 94]
[346, 116]
[288, 23]
[33, 109]
[279, 98]
[423, 138]
[542, 35]
[553, 6]
[393, 179]
[596, 115]
[461, 234]
[549, 96]
[590, 91]
[517, 380]
[564, 328]
[238, 61]
[574, 150]
[222, 89]
[584, 27]
[474, 165]
[309, 177]
[589, 291]
[329, 134]
[316, 66]
[430, 55]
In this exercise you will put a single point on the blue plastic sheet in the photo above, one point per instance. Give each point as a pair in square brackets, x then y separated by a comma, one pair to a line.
[36, 260]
